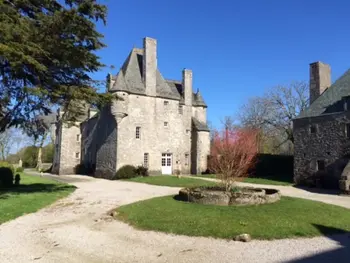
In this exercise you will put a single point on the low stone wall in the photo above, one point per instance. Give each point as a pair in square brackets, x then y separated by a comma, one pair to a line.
[218, 196]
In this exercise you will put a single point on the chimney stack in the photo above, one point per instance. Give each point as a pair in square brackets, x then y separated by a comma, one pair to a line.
[150, 65]
[187, 86]
[320, 79]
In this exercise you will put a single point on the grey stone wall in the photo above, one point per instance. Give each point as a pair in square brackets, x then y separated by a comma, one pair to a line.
[329, 144]
[150, 114]
[68, 146]
[88, 145]
[105, 144]
[203, 150]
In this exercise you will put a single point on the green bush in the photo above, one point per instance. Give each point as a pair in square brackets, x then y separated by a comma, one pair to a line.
[17, 179]
[6, 177]
[127, 171]
[141, 170]
[7, 165]
[30, 157]
[19, 170]
[275, 167]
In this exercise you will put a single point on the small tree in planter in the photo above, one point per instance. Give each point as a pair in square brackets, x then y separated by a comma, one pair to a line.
[233, 153]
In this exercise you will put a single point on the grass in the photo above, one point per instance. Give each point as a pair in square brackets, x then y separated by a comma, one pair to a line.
[33, 194]
[269, 180]
[290, 217]
[167, 180]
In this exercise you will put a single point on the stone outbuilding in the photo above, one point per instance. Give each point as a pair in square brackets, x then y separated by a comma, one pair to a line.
[322, 131]
[158, 123]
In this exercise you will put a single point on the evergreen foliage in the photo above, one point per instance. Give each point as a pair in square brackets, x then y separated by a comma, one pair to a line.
[47, 51]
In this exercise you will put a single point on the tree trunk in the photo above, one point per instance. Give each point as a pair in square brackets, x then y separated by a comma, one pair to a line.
[39, 161]
[40, 150]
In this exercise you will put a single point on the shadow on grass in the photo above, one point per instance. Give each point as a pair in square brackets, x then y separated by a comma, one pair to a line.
[34, 188]
[336, 255]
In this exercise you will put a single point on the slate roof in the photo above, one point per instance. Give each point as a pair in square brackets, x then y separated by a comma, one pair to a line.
[330, 101]
[130, 79]
[199, 126]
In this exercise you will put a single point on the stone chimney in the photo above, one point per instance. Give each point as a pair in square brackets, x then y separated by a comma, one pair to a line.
[320, 79]
[150, 65]
[187, 86]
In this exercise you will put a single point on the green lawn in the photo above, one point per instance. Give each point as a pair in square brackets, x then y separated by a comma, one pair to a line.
[260, 180]
[290, 217]
[170, 180]
[33, 193]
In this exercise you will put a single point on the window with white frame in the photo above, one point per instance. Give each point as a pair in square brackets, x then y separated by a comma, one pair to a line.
[165, 124]
[77, 155]
[78, 137]
[138, 132]
[166, 103]
[145, 160]
[181, 109]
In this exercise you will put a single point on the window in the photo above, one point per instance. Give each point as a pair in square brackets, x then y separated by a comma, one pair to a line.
[165, 124]
[345, 106]
[321, 166]
[187, 131]
[138, 134]
[181, 109]
[186, 158]
[77, 155]
[347, 130]
[163, 159]
[78, 137]
[145, 160]
[166, 103]
[168, 161]
[313, 129]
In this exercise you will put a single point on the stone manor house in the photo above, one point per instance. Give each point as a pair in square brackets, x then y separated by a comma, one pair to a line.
[158, 123]
[322, 131]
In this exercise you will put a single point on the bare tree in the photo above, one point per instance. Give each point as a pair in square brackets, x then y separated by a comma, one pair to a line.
[273, 112]
[233, 153]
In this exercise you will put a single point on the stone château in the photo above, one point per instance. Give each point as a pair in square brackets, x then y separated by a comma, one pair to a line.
[158, 123]
[322, 131]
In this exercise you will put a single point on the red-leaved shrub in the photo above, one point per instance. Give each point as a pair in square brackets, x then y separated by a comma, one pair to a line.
[233, 153]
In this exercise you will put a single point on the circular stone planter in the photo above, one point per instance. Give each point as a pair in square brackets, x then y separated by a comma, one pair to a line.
[240, 196]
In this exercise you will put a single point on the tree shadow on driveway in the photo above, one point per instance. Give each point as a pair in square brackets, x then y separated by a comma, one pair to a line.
[34, 188]
[338, 255]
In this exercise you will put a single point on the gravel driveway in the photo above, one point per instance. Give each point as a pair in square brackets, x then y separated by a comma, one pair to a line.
[76, 229]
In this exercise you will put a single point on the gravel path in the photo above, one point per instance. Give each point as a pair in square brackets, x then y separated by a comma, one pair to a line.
[76, 229]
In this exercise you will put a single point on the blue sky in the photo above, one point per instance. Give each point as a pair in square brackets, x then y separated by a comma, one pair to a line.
[236, 49]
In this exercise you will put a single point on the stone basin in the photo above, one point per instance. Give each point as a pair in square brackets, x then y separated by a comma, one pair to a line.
[239, 196]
